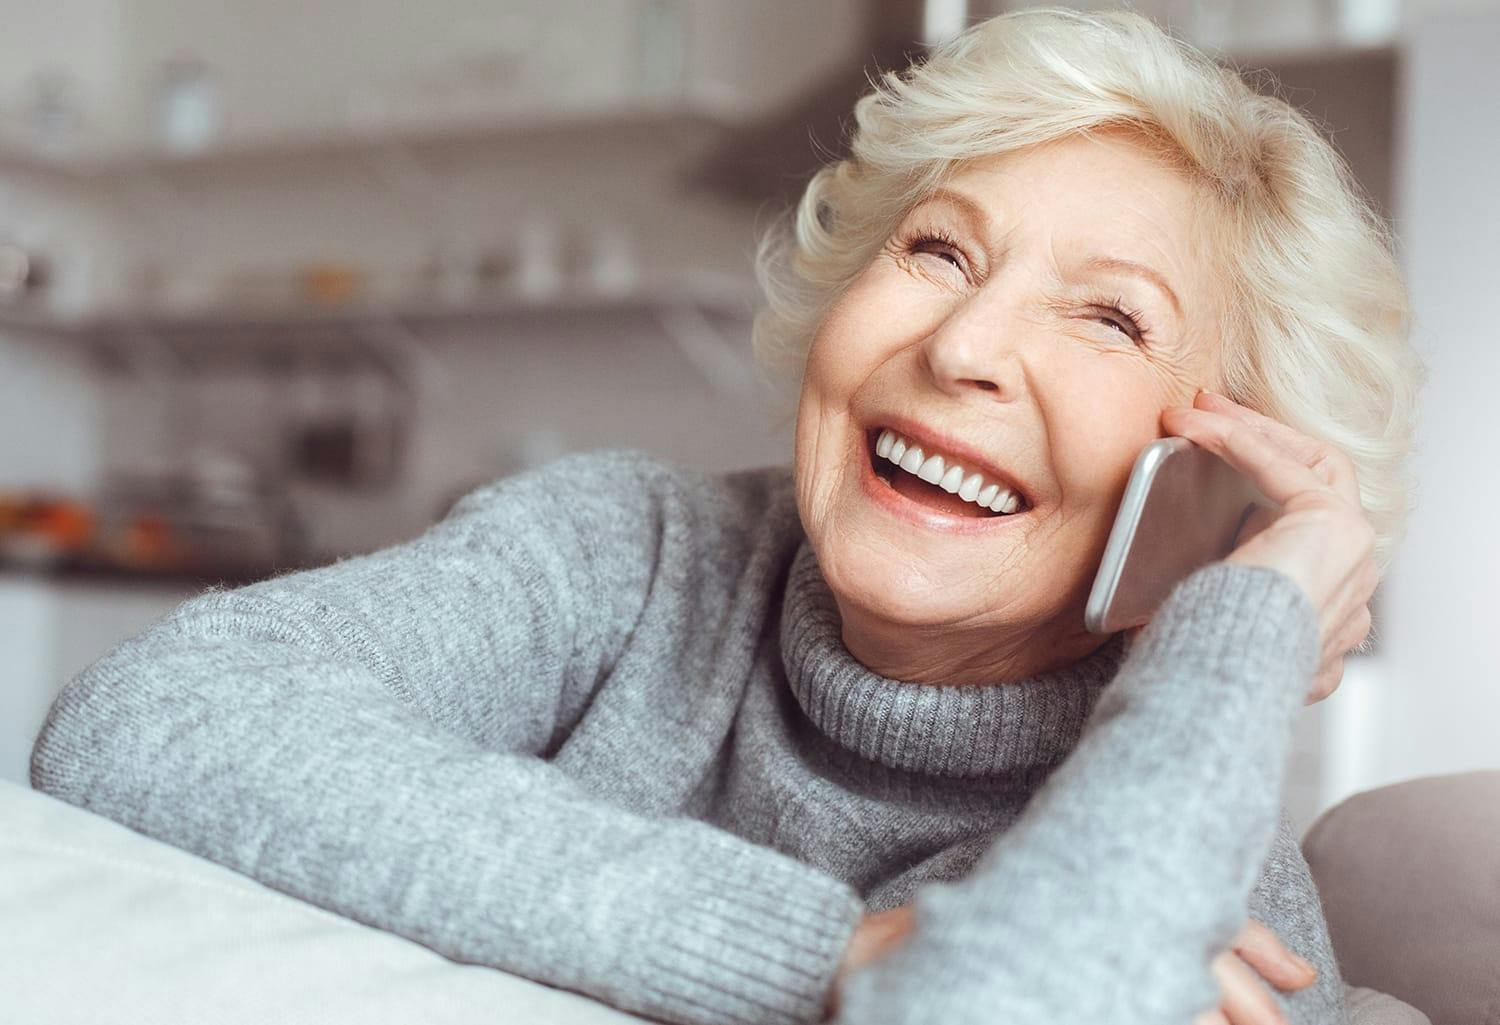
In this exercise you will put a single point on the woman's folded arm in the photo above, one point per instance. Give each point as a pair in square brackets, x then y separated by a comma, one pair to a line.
[301, 771]
[1132, 866]
[371, 737]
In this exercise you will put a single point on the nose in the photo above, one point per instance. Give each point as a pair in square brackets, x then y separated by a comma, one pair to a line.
[974, 350]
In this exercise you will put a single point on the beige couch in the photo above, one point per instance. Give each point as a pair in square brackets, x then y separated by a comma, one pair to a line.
[1410, 880]
[103, 924]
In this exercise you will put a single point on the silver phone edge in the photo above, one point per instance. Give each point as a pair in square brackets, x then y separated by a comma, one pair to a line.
[1112, 564]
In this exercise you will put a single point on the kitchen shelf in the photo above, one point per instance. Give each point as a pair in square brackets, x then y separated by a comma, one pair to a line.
[682, 120]
[706, 292]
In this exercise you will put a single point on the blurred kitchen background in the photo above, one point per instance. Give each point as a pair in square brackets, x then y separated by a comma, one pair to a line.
[279, 281]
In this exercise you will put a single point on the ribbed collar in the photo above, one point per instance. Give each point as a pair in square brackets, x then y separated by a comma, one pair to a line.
[971, 731]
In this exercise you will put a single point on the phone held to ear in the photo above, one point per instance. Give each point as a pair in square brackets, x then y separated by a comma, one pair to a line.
[1182, 508]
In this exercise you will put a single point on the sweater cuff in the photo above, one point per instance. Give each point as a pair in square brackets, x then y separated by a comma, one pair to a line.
[1231, 620]
[754, 938]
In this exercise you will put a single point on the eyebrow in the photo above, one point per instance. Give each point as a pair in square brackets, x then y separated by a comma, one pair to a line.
[1139, 270]
[978, 215]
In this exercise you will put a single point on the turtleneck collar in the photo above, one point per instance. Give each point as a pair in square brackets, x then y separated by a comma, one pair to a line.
[971, 731]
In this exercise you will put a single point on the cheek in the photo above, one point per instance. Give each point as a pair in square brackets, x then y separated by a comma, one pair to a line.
[1102, 421]
[878, 314]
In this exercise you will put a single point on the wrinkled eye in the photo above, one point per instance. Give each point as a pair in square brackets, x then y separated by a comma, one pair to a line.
[937, 243]
[1127, 323]
[945, 255]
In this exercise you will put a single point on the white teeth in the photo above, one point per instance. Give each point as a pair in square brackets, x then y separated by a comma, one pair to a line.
[948, 475]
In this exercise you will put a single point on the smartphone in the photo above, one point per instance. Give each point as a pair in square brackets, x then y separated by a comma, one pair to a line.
[1182, 508]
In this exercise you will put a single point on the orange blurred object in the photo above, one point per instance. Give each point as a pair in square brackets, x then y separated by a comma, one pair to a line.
[66, 524]
[147, 541]
[331, 283]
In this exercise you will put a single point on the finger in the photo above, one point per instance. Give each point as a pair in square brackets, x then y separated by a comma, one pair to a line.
[1349, 638]
[1354, 630]
[1214, 1017]
[1263, 950]
[887, 929]
[900, 921]
[1279, 476]
[1298, 445]
[1349, 635]
[1294, 441]
[1322, 458]
[1326, 682]
[1245, 999]
[1329, 462]
[1363, 633]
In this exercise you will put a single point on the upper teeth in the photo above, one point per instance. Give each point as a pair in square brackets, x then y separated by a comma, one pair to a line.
[946, 474]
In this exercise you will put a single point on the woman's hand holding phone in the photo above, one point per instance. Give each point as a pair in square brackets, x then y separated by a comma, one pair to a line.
[1319, 534]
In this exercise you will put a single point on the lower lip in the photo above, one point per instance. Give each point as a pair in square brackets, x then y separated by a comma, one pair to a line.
[897, 504]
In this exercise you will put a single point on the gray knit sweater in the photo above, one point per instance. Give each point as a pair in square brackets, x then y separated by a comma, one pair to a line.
[597, 727]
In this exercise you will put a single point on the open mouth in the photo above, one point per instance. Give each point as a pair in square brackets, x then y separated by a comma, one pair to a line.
[950, 495]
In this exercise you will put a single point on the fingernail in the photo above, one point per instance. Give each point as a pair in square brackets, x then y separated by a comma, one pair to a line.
[1302, 962]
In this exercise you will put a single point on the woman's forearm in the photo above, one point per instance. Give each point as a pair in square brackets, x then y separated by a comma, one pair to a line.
[1132, 866]
[299, 769]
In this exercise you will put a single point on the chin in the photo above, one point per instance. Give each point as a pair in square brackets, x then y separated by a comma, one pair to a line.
[900, 587]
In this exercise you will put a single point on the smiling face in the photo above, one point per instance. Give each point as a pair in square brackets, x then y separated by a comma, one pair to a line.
[1030, 324]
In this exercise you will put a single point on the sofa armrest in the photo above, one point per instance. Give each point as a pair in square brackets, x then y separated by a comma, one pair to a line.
[106, 924]
[1409, 875]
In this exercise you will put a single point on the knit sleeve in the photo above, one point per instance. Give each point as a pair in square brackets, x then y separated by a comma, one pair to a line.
[371, 737]
[1132, 866]
[1286, 899]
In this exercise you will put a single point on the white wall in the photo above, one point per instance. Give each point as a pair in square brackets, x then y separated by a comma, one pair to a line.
[1436, 706]
[287, 69]
[79, 39]
[49, 398]
[49, 413]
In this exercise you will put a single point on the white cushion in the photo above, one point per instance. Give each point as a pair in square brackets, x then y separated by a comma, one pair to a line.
[101, 923]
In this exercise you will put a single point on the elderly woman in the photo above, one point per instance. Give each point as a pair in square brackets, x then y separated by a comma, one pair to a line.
[768, 745]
